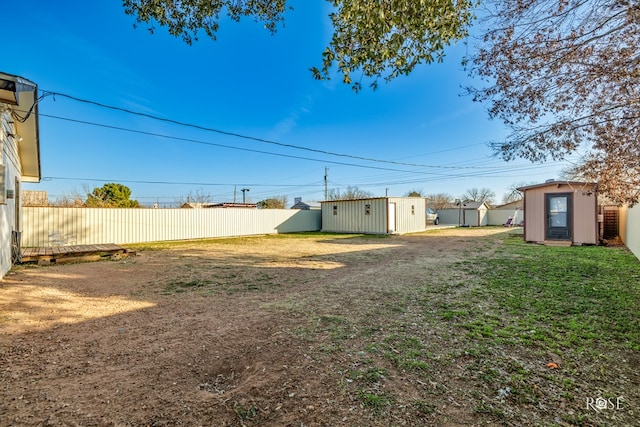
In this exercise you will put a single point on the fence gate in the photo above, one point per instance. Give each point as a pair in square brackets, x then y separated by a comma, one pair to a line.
[610, 226]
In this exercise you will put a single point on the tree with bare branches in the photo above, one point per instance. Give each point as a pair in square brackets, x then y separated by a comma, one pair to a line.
[439, 200]
[563, 75]
[350, 193]
[479, 195]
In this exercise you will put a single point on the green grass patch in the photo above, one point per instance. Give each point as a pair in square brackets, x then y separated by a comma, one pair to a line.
[185, 286]
[375, 401]
[558, 297]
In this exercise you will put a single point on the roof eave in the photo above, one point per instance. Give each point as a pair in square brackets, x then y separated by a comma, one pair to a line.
[28, 129]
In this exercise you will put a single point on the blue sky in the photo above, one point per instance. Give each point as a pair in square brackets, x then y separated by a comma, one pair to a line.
[248, 83]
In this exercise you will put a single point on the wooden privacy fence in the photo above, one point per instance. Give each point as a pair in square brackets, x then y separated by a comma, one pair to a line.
[89, 226]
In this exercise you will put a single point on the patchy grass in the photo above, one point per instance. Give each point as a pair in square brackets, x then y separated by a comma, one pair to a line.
[247, 240]
[458, 327]
[542, 321]
[484, 330]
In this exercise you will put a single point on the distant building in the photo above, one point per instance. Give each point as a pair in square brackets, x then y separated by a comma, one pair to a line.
[225, 205]
[468, 213]
[299, 204]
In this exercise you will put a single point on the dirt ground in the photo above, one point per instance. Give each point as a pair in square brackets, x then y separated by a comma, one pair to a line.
[249, 331]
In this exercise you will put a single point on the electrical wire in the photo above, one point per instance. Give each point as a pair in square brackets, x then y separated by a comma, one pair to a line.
[252, 138]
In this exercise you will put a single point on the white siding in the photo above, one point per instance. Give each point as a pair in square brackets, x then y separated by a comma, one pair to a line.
[121, 226]
[8, 221]
[410, 214]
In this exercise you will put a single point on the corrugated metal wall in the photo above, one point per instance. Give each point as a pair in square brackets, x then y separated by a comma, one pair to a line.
[95, 225]
[371, 216]
[410, 214]
[492, 216]
[629, 226]
[355, 216]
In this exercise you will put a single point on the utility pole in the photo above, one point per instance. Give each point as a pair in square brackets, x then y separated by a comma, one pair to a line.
[244, 198]
[326, 183]
[386, 192]
[235, 189]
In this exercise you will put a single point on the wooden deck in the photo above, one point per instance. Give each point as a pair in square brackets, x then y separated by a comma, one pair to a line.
[73, 253]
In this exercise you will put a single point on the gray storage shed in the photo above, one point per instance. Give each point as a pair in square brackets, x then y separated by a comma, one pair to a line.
[471, 213]
[379, 215]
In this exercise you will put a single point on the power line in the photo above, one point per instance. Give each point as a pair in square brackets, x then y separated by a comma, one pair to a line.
[48, 178]
[484, 171]
[159, 135]
[252, 138]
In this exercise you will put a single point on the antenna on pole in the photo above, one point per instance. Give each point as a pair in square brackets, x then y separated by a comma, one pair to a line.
[244, 198]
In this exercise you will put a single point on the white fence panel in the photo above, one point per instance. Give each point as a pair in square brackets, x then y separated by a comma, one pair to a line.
[500, 216]
[84, 226]
[629, 228]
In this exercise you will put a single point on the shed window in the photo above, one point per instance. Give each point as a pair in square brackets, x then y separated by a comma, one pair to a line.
[367, 209]
[413, 209]
[335, 209]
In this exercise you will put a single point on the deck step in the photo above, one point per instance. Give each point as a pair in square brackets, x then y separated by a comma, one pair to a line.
[73, 253]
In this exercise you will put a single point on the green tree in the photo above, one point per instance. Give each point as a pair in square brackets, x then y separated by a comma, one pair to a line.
[372, 38]
[563, 75]
[415, 193]
[111, 195]
[275, 202]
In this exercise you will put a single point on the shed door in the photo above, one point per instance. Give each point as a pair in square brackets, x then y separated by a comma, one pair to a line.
[392, 218]
[559, 212]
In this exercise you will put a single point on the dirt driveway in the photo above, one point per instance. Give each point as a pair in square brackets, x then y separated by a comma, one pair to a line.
[268, 330]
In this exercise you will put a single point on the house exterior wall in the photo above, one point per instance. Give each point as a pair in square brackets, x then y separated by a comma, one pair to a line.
[371, 216]
[10, 160]
[121, 226]
[584, 219]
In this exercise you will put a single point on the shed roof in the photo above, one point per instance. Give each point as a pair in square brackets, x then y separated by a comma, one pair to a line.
[369, 198]
[306, 205]
[22, 94]
[475, 205]
[552, 183]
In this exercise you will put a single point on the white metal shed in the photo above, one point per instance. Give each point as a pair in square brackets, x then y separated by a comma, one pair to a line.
[379, 215]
